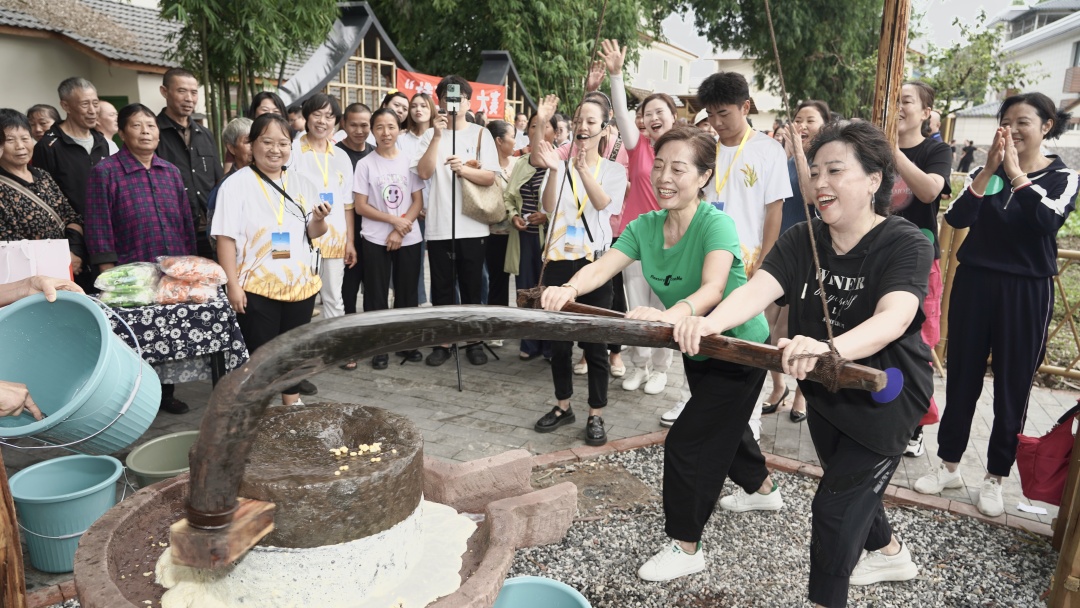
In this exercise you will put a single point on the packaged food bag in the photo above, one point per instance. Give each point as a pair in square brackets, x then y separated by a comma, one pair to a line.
[193, 268]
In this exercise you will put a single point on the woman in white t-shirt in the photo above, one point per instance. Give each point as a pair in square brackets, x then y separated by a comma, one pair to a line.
[421, 109]
[264, 224]
[387, 195]
[580, 197]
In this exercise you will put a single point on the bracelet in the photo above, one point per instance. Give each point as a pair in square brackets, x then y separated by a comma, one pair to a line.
[576, 292]
[971, 189]
[1021, 176]
[1021, 186]
[693, 311]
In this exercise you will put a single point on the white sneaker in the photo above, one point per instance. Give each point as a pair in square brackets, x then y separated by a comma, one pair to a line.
[495, 343]
[633, 379]
[655, 383]
[876, 567]
[740, 501]
[990, 503]
[672, 562]
[669, 417]
[934, 483]
[581, 368]
[915, 447]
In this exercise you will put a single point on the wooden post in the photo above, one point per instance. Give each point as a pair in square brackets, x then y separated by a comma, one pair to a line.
[1066, 580]
[12, 581]
[955, 241]
[892, 53]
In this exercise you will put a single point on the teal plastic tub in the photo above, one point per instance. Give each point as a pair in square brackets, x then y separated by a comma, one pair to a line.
[162, 458]
[57, 501]
[538, 592]
[84, 378]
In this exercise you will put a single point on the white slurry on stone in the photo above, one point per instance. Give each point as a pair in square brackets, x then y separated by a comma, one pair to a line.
[411, 564]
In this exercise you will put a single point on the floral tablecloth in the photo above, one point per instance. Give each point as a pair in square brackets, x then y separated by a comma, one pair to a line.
[186, 342]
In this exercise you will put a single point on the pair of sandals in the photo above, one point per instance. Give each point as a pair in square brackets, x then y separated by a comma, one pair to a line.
[769, 408]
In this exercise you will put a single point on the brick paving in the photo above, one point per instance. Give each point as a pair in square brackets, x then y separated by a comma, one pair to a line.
[503, 399]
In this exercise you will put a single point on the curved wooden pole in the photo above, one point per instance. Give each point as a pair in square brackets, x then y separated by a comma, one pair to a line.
[236, 405]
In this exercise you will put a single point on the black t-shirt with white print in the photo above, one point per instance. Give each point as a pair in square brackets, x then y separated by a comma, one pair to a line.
[894, 256]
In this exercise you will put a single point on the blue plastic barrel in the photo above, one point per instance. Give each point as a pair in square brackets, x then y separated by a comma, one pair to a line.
[57, 501]
[79, 373]
[538, 592]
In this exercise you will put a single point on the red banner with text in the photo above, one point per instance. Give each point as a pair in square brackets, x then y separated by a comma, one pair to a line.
[487, 98]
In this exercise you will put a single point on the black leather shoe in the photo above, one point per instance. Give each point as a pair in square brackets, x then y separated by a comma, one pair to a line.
[380, 361]
[438, 356]
[307, 388]
[475, 354]
[595, 434]
[554, 419]
[768, 408]
[412, 356]
[797, 416]
[174, 406]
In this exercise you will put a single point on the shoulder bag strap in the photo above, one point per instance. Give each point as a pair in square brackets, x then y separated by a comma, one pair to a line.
[479, 142]
[615, 149]
[1074, 410]
[33, 197]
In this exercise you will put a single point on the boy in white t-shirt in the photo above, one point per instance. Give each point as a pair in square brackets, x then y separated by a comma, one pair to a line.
[751, 179]
[448, 157]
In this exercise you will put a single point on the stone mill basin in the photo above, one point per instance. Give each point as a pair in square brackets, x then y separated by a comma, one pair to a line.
[322, 504]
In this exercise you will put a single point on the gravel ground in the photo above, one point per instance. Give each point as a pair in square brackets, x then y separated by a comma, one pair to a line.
[762, 559]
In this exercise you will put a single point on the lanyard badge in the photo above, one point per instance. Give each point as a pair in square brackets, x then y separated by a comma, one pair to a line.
[720, 184]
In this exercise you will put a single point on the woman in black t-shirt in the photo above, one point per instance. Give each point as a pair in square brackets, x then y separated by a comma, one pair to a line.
[874, 269]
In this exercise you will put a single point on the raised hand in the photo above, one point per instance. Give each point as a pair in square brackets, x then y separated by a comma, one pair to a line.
[546, 108]
[595, 77]
[613, 55]
[1010, 158]
[545, 152]
[997, 150]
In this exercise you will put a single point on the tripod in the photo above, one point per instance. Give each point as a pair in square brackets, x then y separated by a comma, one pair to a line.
[452, 110]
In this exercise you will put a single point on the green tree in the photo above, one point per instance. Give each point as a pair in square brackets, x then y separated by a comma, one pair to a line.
[966, 71]
[242, 44]
[550, 41]
[827, 49]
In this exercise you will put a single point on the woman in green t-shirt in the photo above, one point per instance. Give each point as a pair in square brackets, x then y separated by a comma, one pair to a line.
[690, 256]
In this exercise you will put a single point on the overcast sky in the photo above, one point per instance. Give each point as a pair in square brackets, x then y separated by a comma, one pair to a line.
[937, 23]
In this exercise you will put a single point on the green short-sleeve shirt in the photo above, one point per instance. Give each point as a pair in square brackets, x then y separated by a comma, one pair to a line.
[674, 272]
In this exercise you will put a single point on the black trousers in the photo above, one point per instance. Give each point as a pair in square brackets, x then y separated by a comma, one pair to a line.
[562, 364]
[383, 268]
[1003, 314]
[498, 279]
[847, 512]
[709, 442]
[265, 319]
[470, 257]
[528, 276]
[353, 277]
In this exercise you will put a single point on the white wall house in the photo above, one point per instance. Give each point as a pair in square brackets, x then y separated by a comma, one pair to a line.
[1047, 33]
[661, 68]
[116, 45]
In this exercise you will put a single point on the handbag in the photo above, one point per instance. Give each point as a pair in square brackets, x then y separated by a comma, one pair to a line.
[482, 203]
[1043, 462]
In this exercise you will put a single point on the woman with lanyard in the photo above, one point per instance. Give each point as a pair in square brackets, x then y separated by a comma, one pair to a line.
[417, 122]
[1003, 293]
[387, 195]
[658, 111]
[522, 197]
[265, 223]
[580, 196]
[315, 157]
[710, 440]
[810, 117]
[505, 136]
[874, 269]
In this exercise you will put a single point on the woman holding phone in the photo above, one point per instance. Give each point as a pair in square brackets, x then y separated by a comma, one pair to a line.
[264, 224]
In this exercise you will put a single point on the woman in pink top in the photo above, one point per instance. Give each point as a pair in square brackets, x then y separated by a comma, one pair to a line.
[650, 364]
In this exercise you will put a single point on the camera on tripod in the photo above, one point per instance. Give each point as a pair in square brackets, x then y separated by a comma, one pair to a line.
[453, 98]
